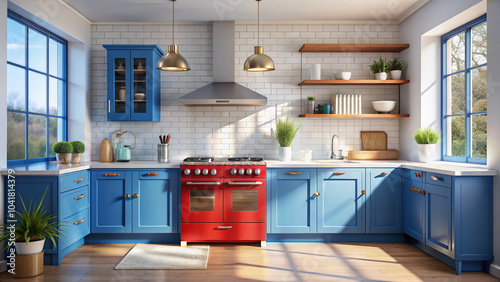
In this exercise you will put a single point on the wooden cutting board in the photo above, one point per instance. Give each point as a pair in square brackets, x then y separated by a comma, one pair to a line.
[373, 140]
[373, 155]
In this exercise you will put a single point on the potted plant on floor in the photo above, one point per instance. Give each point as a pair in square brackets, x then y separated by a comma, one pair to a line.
[285, 132]
[396, 67]
[426, 139]
[78, 150]
[63, 152]
[379, 68]
[310, 105]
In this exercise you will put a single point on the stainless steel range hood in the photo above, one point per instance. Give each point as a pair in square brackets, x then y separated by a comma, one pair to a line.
[223, 91]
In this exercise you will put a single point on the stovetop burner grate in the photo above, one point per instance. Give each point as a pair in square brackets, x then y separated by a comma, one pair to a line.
[199, 159]
[244, 159]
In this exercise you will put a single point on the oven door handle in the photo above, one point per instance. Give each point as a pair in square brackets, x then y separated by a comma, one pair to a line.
[203, 183]
[245, 183]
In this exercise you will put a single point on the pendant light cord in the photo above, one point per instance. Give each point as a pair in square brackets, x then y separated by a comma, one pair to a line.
[258, 22]
[173, 22]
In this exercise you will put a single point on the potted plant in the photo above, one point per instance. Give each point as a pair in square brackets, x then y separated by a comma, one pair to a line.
[396, 67]
[78, 150]
[310, 105]
[426, 139]
[63, 152]
[379, 68]
[285, 132]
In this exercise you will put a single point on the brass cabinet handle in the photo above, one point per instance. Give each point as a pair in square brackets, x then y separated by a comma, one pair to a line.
[315, 195]
[79, 180]
[363, 192]
[80, 221]
[434, 178]
[416, 174]
[338, 173]
[126, 196]
[112, 174]
[422, 192]
[294, 173]
[135, 196]
[153, 173]
[80, 197]
[385, 172]
[420, 174]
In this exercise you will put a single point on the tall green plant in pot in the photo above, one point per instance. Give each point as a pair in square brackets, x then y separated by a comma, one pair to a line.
[285, 132]
[426, 139]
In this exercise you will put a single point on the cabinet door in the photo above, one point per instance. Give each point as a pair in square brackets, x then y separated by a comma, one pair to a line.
[142, 82]
[111, 201]
[341, 205]
[383, 204]
[414, 205]
[438, 219]
[119, 73]
[293, 208]
[153, 210]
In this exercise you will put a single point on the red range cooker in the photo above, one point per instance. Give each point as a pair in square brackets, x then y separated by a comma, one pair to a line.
[223, 200]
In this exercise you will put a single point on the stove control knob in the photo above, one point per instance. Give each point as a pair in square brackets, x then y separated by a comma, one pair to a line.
[241, 171]
[187, 171]
[257, 171]
[213, 171]
[233, 171]
[249, 171]
[205, 171]
[197, 171]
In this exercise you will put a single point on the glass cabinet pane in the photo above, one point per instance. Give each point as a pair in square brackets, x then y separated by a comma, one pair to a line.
[245, 200]
[120, 85]
[140, 85]
[201, 200]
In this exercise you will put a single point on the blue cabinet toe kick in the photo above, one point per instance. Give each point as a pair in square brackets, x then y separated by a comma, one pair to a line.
[299, 238]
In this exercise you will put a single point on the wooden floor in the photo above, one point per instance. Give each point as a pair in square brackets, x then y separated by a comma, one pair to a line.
[278, 262]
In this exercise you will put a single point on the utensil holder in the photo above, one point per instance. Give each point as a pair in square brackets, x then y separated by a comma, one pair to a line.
[163, 153]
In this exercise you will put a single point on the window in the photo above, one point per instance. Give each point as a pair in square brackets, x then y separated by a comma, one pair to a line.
[36, 91]
[464, 93]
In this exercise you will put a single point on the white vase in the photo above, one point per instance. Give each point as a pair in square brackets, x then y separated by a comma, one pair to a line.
[426, 152]
[285, 154]
[32, 248]
[381, 76]
[396, 74]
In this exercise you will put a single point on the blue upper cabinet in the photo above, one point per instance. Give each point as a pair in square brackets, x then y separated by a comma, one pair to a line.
[133, 83]
[383, 204]
[341, 203]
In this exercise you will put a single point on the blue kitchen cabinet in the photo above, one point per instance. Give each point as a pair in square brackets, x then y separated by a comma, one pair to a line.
[383, 203]
[414, 209]
[438, 218]
[293, 200]
[133, 82]
[341, 203]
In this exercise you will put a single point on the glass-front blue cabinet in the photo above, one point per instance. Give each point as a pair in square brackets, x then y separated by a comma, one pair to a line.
[133, 82]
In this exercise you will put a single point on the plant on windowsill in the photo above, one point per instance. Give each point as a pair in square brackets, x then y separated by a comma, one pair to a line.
[310, 105]
[426, 139]
[285, 132]
[78, 150]
[396, 67]
[379, 68]
[63, 152]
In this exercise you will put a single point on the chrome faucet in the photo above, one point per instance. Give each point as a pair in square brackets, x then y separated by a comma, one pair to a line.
[333, 156]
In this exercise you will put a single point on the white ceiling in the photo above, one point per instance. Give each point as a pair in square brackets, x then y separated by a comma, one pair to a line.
[245, 10]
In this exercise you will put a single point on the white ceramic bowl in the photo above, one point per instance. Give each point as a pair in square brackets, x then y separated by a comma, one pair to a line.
[345, 75]
[139, 96]
[383, 107]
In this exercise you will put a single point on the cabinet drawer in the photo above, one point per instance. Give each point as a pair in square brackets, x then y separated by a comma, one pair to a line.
[223, 232]
[109, 174]
[75, 200]
[72, 180]
[77, 226]
[413, 174]
[438, 179]
[340, 173]
[293, 173]
[153, 174]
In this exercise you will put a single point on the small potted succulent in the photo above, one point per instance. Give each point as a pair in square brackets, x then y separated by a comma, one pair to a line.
[310, 105]
[396, 67]
[426, 139]
[379, 68]
[78, 150]
[285, 132]
[63, 151]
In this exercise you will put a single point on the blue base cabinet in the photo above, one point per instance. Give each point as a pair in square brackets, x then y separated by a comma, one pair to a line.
[383, 202]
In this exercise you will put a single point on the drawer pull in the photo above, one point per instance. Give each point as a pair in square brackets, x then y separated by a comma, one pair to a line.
[135, 196]
[224, 227]
[153, 173]
[338, 173]
[126, 196]
[112, 174]
[80, 221]
[363, 192]
[245, 183]
[435, 178]
[384, 173]
[315, 195]
[79, 180]
[420, 174]
[203, 183]
[422, 192]
[294, 173]
[80, 197]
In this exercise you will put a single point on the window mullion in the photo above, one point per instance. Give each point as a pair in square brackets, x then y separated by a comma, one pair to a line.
[468, 127]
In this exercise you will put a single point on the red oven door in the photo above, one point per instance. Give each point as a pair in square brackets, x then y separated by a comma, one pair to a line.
[201, 200]
[244, 200]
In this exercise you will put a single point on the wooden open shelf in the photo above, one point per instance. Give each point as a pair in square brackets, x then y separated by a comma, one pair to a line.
[354, 82]
[354, 116]
[375, 48]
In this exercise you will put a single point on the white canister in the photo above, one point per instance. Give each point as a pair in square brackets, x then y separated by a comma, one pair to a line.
[121, 93]
[315, 72]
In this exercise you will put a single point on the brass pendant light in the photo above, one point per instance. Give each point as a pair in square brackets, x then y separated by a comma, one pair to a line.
[173, 61]
[258, 61]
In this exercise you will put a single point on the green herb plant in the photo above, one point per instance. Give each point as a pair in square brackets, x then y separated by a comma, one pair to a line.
[311, 98]
[426, 136]
[286, 130]
[378, 67]
[62, 147]
[78, 147]
[396, 64]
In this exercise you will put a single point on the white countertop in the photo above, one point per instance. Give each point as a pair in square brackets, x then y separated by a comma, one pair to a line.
[135, 164]
[45, 168]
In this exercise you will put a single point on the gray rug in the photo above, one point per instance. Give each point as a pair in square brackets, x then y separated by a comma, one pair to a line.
[151, 256]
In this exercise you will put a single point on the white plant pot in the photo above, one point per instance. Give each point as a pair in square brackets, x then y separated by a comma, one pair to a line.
[381, 76]
[396, 74]
[426, 152]
[285, 154]
[32, 248]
